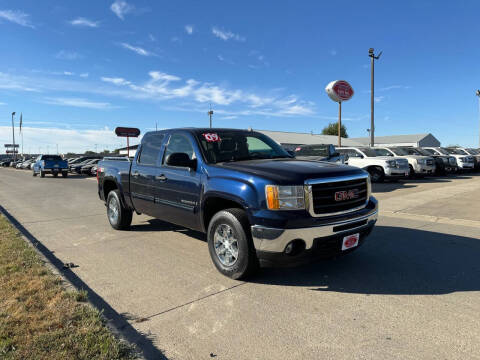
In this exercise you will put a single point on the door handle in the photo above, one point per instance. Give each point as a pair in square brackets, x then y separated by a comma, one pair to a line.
[135, 174]
[161, 177]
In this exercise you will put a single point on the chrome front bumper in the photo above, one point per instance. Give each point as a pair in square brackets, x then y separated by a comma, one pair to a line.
[275, 240]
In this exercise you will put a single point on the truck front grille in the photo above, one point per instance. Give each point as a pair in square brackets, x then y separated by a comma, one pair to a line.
[328, 198]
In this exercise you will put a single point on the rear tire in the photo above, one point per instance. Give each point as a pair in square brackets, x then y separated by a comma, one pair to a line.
[376, 175]
[230, 244]
[55, 174]
[42, 173]
[119, 217]
[34, 173]
[412, 174]
[64, 174]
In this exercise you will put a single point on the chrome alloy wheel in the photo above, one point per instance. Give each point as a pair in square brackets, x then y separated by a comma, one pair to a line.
[112, 210]
[226, 245]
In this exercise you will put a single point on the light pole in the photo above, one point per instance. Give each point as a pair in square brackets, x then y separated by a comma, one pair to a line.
[210, 113]
[478, 94]
[13, 136]
[372, 98]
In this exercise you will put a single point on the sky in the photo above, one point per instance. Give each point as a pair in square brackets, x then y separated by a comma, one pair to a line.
[78, 69]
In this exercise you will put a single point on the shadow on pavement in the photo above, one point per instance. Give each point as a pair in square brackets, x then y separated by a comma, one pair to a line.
[393, 261]
[142, 341]
[159, 225]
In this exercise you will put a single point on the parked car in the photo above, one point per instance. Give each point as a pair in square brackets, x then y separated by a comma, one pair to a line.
[77, 168]
[464, 162]
[419, 165]
[256, 203]
[93, 170]
[444, 164]
[26, 164]
[86, 169]
[473, 153]
[319, 152]
[379, 167]
[50, 164]
[6, 163]
[81, 160]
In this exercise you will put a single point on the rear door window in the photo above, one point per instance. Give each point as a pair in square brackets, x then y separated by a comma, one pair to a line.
[150, 150]
[179, 143]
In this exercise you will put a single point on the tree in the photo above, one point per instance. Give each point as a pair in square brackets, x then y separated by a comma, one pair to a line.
[88, 152]
[106, 151]
[332, 129]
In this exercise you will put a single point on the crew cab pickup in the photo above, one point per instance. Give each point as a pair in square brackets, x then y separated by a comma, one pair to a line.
[50, 164]
[256, 203]
[379, 167]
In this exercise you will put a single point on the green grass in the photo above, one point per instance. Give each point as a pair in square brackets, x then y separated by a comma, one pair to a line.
[39, 319]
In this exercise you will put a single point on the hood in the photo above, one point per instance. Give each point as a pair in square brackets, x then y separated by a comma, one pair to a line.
[290, 171]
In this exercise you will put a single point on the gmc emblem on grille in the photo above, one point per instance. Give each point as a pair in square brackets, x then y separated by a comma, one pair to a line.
[346, 195]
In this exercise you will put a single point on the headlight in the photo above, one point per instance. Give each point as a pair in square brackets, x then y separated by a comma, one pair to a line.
[422, 161]
[285, 197]
[391, 163]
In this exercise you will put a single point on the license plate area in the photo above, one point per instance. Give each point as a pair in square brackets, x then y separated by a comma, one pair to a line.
[350, 241]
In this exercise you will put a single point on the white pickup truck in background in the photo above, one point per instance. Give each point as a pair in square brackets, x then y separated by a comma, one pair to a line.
[419, 165]
[464, 161]
[379, 167]
[475, 154]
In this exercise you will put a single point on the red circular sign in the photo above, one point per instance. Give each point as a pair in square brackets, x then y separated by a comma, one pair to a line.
[339, 90]
[343, 90]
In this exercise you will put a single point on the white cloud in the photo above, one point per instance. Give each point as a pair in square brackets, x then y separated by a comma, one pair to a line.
[81, 21]
[378, 98]
[151, 37]
[17, 17]
[121, 8]
[116, 81]
[226, 35]
[15, 83]
[137, 49]
[333, 52]
[68, 140]
[78, 102]
[391, 87]
[84, 75]
[2, 103]
[189, 29]
[224, 59]
[68, 55]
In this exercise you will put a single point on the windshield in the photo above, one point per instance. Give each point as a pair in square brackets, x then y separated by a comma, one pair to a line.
[382, 152]
[399, 151]
[456, 151]
[369, 152]
[51, 158]
[231, 145]
[427, 152]
[473, 151]
[316, 150]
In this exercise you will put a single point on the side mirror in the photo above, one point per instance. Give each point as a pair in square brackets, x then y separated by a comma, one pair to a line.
[181, 160]
[335, 154]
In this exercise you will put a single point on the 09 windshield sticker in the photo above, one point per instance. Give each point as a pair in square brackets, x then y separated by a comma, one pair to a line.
[211, 137]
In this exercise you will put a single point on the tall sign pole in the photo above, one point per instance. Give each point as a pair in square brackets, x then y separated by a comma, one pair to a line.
[127, 132]
[478, 94]
[13, 137]
[339, 91]
[372, 95]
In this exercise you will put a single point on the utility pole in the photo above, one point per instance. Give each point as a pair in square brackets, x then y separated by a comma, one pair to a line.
[57, 148]
[339, 124]
[210, 113]
[48, 149]
[478, 94]
[156, 127]
[372, 98]
[13, 136]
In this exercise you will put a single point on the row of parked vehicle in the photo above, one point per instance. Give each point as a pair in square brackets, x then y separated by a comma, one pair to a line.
[396, 162]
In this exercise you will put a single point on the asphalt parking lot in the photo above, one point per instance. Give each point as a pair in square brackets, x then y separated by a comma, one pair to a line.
[411, 292]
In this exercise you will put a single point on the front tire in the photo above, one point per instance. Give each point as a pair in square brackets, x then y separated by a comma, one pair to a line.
[64, 174]
[34, 173]
[376, 175]
[119, 217]
[55, 174]
[42, 173]
[230, 244]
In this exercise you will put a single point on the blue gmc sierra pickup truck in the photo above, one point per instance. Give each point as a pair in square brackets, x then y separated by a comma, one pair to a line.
[257, 204]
